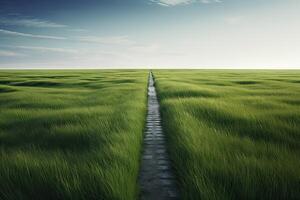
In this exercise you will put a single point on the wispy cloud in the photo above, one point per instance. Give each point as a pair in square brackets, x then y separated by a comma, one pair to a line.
[29, 35]
[182, 2]
[46, 49]
[29, 22]
[5, 53]
[78, 30]
[114, 40]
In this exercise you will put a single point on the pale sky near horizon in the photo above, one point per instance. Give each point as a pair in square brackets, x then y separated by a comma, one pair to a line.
[150, 33]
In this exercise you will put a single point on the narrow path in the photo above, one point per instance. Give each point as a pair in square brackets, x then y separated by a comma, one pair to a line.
[156, 178]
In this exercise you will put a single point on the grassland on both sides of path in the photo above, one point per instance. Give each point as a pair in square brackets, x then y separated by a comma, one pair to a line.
[77, 134]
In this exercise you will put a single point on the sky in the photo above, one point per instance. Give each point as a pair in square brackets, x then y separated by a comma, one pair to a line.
[150, 34]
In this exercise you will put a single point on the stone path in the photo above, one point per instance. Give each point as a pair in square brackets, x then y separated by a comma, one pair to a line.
[156, 177]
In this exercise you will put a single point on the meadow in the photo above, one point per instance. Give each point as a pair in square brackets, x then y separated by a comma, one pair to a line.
[77, 134]
[233, 134]
[71, 134]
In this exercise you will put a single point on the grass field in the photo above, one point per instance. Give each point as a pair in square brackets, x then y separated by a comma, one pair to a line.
[71, 134]
[78, 134]
[233, 134]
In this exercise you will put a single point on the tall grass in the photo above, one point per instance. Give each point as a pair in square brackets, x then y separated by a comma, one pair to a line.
[71, 134]
[233, 134]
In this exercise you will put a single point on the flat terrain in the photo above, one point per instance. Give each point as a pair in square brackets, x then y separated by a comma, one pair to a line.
[71, 134]
[233, 134]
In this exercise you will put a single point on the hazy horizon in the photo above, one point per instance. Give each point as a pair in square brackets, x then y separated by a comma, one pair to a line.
[210, 34]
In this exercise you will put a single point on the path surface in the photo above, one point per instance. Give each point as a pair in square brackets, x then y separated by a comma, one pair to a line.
[156, 177]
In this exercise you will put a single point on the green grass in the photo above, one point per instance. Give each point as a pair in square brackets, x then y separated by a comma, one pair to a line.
[233, 134]
[78, 134]
[71, 134]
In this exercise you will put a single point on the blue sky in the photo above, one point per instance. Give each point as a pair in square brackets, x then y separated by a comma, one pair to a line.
[150, 33]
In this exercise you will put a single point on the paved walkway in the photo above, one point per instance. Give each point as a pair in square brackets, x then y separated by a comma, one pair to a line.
[156, 177]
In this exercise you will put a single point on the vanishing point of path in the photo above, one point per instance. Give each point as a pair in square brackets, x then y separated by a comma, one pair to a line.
[156, 178]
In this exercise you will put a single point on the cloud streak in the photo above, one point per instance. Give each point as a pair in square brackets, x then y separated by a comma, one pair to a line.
[169, 3]
[36, 23]
[29, 35]
[46, 49]
[113, 40]
[4, 53]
